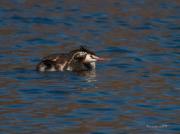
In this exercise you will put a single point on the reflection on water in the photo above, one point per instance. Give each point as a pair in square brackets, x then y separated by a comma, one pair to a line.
[137, 91]
[89, 76]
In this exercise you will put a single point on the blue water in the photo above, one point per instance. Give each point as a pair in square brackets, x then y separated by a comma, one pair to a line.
[137, 91]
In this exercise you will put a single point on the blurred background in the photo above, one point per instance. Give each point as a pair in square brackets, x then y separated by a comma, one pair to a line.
[136, 92]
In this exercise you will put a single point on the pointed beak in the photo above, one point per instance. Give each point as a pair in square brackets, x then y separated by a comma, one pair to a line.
[101, 59]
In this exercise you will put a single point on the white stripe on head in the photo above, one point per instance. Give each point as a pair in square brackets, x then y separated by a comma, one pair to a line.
[90, 58]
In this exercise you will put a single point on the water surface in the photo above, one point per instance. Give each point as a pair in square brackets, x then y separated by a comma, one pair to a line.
[136, 92]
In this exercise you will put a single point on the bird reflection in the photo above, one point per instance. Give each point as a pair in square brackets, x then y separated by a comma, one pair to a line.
[90, 76]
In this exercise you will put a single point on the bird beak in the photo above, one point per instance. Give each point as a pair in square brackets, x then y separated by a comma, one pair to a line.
[101, 59]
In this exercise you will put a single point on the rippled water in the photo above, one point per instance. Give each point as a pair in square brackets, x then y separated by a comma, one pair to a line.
[136, 92]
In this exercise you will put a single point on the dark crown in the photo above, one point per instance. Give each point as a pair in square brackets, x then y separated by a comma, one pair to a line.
[82, 49]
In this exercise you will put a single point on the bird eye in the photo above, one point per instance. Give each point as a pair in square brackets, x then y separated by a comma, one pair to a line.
[93, 57]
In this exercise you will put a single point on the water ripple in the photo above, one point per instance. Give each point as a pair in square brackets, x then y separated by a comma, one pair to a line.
[136, 91]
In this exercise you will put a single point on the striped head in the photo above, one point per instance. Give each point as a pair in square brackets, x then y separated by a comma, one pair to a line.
[84, 55]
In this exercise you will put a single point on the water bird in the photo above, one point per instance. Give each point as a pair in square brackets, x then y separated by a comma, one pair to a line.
[81, 59]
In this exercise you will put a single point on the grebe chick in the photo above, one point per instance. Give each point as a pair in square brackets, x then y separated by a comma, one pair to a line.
[80, 59]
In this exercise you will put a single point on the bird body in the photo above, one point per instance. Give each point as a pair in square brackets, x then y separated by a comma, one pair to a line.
[80, 59]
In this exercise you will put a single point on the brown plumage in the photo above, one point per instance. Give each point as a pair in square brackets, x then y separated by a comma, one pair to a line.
[80, 59]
